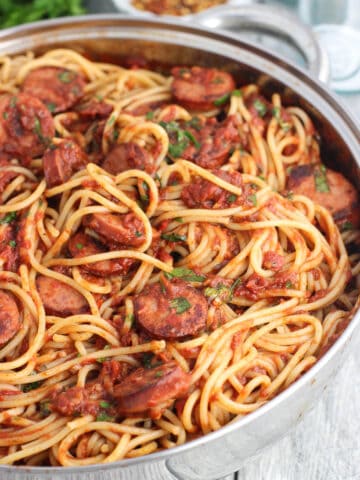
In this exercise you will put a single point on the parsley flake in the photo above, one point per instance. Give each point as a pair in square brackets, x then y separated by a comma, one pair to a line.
[180, 304]
[185, 274]
[173, 237]
[321, 184]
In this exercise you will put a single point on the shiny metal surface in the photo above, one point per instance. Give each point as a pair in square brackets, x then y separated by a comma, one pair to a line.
[221, 452]
[271, 28]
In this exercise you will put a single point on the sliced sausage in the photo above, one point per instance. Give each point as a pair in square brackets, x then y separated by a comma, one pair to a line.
[59, 298]
[93, 109]
[146, 389]
[329, 189]
[62, 160]
[198, 88]
[75, 401]
[126, 156]
[127, 230]
[9, 252]
[82, 245]
[216, 140]
[26, 126]
[9, 317]
[171, 310]
[203, 194]
[58, 88]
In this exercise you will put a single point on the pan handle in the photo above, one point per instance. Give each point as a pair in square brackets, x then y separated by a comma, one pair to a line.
[275, 20]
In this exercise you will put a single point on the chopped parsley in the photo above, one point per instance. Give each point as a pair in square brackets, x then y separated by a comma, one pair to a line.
[104, 417]
[159, 374]
[217, 80]
[79, 246]
[231, 198]
[321, 184]
[260, 107]
[147, 359]
[222, 100]
[182, 138]
[104, 404]
[185, 274]
[236, 93]
[66, 76]
[216, 291]
[180, 304]
[253, 199]
[12, 243]
[346, 226]
[144, 197]
[290, 195]
[277, 114]
[115, 134]
[37, 127]
[194, 123]
[179, 219]
[13, 102]
[31, 386]
[51, 107]
[5, 115]
[149, 115]
[111, 120]
[9, 217]
[138, 234]
[289, 284]
[173, 237]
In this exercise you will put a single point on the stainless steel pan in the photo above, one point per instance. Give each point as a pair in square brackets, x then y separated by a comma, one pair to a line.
[222, 452]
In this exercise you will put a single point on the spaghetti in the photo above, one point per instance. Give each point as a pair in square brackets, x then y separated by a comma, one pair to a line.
[161, 272]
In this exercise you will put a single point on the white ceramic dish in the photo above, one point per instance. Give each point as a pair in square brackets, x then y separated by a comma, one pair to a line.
[126, 6]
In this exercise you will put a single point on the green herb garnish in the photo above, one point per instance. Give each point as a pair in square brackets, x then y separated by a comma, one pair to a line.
[222, 100]
[321, 184]
[51, 107]
[104, 404]
[66, 76]
[9, 217]
[277, 114]
[185, 274]
[180, 304]
[149, 115]
[147, 359]
[346, 226]
[260, 107]
[173, 237]
[289, 284]
[79, 246]
[159, 374]
[253, 199]
[104, 417]
[12, 243]
[31, 386]
[231, 198]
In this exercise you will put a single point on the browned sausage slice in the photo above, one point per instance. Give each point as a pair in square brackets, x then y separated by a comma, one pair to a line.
[61, 161]
[9, 317]
[198, 88]
[171, 310]
[128, 230]
[26, 126]
[144, 390]
[59, 298]
[215, 142]
[75, 401]
[204, 194]
[329, 189]
[126, 156]
[94, 109]
[82, 245]
[58, 88]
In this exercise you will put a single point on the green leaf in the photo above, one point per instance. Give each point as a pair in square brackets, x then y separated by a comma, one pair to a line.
[321, 184]
[173, 237]
[12, 243]
[236, 93]
[231, 198]
[66, 76]
[185, 274]
[276, 112]
[289, 284]
[31, 386]
[104, 404]
[260, 107]
[222, 100]
[180, 304]
[104, 417]
[216, 291]
[79, 246]
[192, 139]
[51, 107]
[149, 115]
[346, 226]
[9, 217]
[159, 374]
[147, 359]
[253, 199]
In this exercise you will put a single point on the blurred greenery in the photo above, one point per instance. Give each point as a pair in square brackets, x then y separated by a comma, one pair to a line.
[13, 12]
